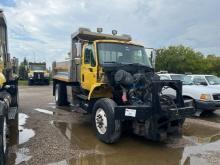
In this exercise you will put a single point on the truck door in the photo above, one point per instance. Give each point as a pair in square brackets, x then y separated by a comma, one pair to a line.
[88, 67]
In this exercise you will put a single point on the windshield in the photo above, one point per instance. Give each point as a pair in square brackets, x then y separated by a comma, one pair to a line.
[38, 67]
[213, 80]
[122, 53]
[185, 79]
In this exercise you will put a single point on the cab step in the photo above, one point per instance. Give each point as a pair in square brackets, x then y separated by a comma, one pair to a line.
[12, 113]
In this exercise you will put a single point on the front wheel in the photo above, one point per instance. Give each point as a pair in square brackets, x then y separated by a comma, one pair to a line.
[107, 129]
[3, 139]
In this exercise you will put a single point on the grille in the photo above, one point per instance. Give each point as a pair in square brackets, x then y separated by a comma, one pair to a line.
[216, 96]
[38, 75]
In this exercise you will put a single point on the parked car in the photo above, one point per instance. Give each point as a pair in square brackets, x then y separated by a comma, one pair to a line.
[205, 98]
[207, 80]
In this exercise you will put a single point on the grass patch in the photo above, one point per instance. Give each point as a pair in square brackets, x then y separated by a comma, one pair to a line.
[23, 82]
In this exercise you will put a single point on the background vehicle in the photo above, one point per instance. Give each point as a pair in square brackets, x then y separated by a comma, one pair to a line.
[207, 80]
[205, 98]
[111, 77]
[8, 89]
[38, 74]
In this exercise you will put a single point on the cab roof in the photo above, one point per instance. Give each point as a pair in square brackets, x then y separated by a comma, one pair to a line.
[87, 34]
[201, 75]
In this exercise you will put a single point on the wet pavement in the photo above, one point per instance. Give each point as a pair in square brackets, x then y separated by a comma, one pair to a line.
[52, 135]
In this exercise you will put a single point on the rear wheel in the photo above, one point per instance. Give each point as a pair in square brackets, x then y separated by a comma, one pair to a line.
[107, 129]
[61, 94]
[3, 139]
[48, 82]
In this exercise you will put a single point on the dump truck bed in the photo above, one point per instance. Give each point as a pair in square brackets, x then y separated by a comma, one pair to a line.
[65, 71]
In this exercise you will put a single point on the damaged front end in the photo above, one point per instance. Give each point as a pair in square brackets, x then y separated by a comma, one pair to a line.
[151, 113]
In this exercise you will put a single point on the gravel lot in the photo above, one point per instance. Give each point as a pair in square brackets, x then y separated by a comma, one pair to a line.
[55, 135]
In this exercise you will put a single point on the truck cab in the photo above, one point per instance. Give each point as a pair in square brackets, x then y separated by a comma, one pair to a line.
[38, 74]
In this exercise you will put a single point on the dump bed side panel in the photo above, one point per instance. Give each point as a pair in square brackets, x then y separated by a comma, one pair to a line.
[65, 71]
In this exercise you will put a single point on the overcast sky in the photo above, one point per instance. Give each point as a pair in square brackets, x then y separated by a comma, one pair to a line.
[40, 29]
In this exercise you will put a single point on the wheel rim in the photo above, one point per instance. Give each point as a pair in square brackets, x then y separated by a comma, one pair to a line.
[101, 121]
[4, 135]
[56, 94]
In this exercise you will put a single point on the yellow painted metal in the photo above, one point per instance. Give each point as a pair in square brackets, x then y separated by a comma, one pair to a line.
[100, 90]
[88, 72]
[2, 79]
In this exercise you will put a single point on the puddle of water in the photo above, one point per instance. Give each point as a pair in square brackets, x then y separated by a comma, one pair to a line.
[53, 107]
[133, 149]
[44, 111]
[63, 162]
[24, 133]
[20, 135]
[22, 119]
[200, 134]
[127, 151]
[214, 117]
[22, 155]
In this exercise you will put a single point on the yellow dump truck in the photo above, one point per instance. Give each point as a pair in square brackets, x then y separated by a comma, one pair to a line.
[8, 90]
[38, 74]
[111, 77]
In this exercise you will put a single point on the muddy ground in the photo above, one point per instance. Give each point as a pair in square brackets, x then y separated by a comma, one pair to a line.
[62, 136]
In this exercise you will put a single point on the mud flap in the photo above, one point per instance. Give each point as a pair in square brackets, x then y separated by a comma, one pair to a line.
[12, 113]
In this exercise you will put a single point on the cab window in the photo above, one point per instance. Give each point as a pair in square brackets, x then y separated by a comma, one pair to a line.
[163, 77]
[199, 80]
[89, 55]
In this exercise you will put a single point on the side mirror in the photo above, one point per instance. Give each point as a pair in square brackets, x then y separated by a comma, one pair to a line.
[78, 49]
[152, 55]
[203, 83]
[77, 61]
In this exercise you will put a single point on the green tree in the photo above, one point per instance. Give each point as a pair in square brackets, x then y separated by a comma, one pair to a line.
[179, 59]
[23, 73]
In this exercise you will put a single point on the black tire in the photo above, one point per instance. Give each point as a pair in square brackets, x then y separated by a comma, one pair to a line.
[3, 146]
[48, 82]
[61, 94]
[113, 127]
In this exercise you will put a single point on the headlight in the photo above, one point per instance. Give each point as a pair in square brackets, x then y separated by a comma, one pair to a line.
[205, 97]
[30, 75]
[46, 75]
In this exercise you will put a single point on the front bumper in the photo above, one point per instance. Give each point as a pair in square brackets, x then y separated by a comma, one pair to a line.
[38, 80]
[146, 112]
[207, 105]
